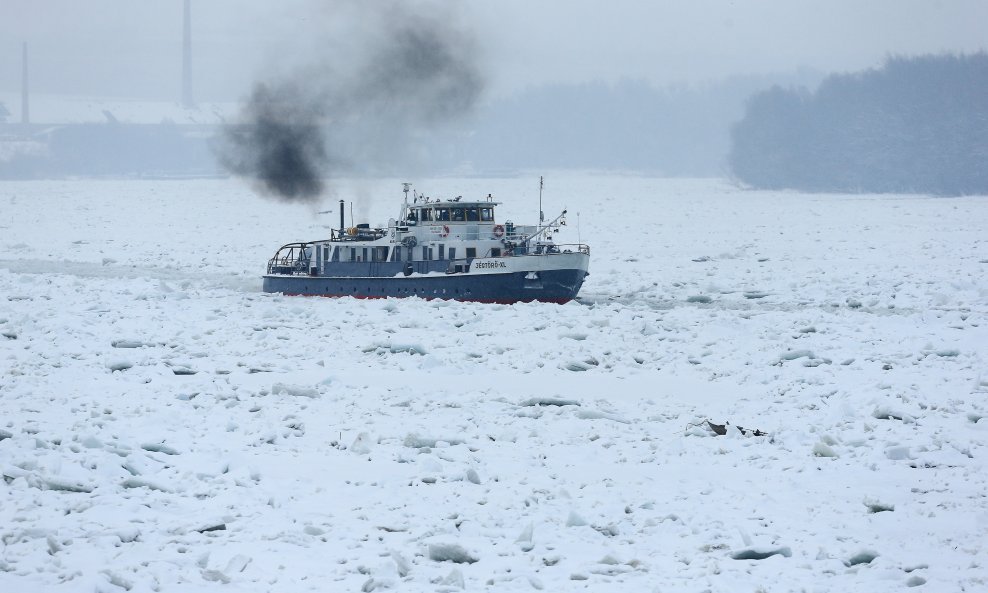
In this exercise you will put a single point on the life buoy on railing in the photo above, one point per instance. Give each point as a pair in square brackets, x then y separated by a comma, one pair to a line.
[444, 232]
[499, 230]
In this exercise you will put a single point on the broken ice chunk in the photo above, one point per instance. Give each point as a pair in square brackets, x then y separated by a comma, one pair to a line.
[401, 564]
[862, 557]
[525, 539]
[575, 520]
[362, 444]
[549, 401]
[821, 449]
[597, 414]
[119, 365]
[875, 506]
[295, 390]
[759, 553]
[454, 579]
[414, 441]
[450, 552]
[159, 448]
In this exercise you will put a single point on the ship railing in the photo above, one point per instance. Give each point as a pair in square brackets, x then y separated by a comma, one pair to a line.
[522, 249]
[574, 248]
[357, 233]
[462, 265]
[519, 232]
[292, 259]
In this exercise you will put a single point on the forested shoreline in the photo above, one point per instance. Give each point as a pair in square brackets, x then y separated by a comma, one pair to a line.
[915, 125]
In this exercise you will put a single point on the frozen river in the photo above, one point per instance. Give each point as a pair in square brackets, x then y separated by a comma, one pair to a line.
[165, 426]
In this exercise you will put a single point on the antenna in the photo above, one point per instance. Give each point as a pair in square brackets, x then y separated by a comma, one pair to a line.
[404, 207]
[541, 213]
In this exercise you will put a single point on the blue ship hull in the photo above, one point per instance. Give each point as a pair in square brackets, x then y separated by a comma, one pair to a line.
[556, 286]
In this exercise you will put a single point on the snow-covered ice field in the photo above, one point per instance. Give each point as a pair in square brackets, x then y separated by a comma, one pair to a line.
[165, 426]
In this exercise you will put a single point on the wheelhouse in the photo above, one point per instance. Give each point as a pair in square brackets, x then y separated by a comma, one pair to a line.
[479, 212]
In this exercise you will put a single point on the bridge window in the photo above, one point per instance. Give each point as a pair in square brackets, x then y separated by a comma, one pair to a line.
[459, 215]
[487, 214]
[442, 214]
[426, 214]
[472, 214]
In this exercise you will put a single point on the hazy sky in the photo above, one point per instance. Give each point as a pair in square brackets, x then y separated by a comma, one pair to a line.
[129, 48]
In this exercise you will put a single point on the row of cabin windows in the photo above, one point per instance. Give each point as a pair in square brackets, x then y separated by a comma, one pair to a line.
[380, 254]
[465, 214]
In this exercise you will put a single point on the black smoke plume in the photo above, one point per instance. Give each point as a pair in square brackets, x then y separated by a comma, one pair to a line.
[366, 106]
[280, 147]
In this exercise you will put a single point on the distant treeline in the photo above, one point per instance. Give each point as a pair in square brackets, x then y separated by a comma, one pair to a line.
[915, 125]
[629, 125]
[104, 149]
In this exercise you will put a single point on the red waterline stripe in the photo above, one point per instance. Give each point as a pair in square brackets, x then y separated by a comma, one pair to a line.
[482, 301]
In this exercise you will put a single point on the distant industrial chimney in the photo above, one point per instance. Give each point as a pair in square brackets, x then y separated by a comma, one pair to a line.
[187, 100]
[25, 112]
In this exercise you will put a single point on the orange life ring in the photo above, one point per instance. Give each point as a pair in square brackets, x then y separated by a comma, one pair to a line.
[498, 230]
[444, 232]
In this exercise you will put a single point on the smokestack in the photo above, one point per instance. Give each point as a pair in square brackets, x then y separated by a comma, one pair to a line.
[25, 112]
[187, 57]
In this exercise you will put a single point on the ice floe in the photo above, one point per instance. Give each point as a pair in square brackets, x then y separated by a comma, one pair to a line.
[165, 426]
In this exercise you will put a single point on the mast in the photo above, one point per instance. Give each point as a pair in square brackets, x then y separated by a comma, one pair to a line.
[541, 213]
[404, 207]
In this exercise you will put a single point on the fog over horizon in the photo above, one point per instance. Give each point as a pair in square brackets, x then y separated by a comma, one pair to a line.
[288, 94]
[116, 48]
